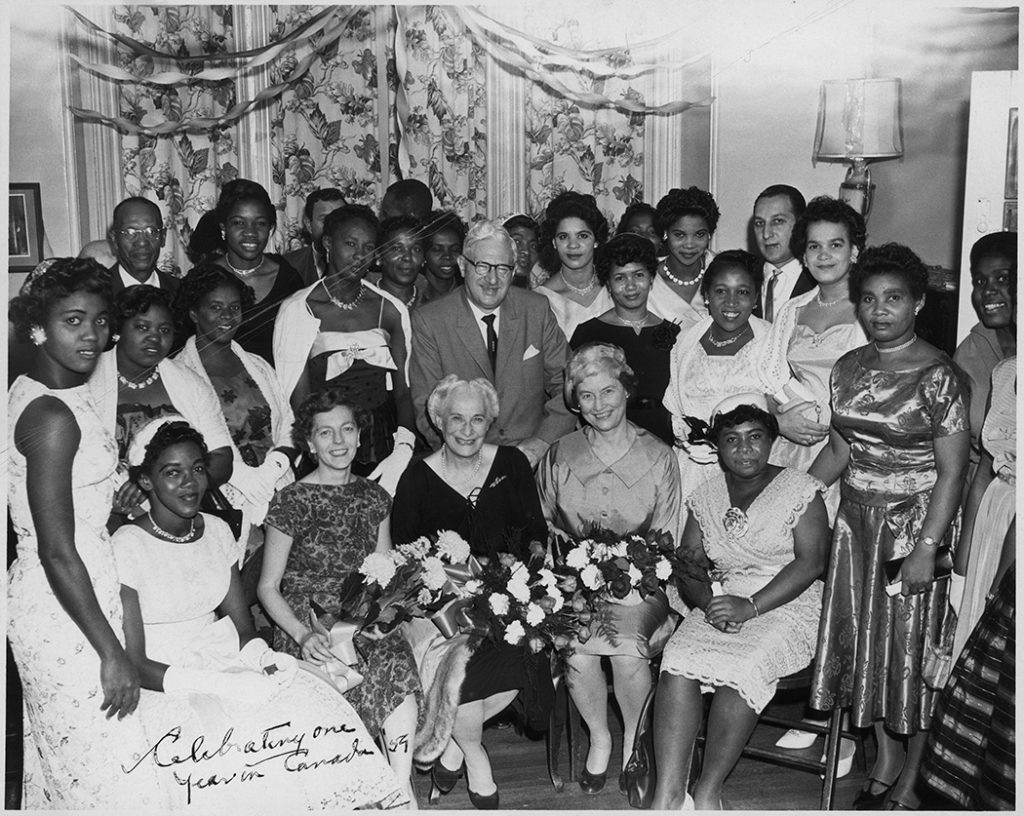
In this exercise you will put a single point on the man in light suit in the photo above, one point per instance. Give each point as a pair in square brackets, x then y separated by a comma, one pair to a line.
[776, 211]
[137, 235]
[507, 335]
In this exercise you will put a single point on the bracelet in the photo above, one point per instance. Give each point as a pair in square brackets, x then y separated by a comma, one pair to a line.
[753, 603]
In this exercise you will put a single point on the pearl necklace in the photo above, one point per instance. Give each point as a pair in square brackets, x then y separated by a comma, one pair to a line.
[894, 349]
[476, 467]
[581, 291]
[138, 386]
[244, 273]
[160, 531]
[348, 305]
[730, 341]
[828, 304]
[636, 325]
[681, 281]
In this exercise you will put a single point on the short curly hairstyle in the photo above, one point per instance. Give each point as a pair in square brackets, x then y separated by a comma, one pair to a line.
[678, 202]
[740, 415]
[622, 250]
[239, 190]
[321, 402]
[834, 211]
[336, 219]
[199, 282]
[568, 204]
[729, 259]
[169, 434]
[592, 358]
[438, 401]
[889, 259]
[136, 300]
[632, 211]
[61, 278]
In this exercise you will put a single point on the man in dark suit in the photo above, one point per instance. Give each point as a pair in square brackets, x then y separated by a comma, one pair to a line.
[507, 335]
[310, 261]
[137, 235]
[776, 210]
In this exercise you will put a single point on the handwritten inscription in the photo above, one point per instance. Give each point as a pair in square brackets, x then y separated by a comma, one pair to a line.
[205, 762]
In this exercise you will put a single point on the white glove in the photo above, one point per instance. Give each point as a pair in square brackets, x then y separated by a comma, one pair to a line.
[388, 472]
[956, 591]
[278, 666]
[244, 685]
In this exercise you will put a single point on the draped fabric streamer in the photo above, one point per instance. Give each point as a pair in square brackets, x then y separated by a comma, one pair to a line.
[619, 61]
[311, 27]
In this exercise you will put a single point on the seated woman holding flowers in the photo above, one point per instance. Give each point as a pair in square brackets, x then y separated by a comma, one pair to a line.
[210, 685]
[318, 530]
[615, 477]
[762, 531]
[486, 494]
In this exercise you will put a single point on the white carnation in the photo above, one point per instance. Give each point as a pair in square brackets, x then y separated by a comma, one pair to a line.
[591, 577]
[534, 615]
[663, 569]
[499, 603]
[514, 633]
[452, 547]
[434, 576]
[634, 575]
[379, 568]
[578, 557]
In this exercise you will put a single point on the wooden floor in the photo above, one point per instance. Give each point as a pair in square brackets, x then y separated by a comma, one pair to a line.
[521, 773]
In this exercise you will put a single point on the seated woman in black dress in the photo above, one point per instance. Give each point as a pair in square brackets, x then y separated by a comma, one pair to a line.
[625, 266]
[247, 219]
[486, 494]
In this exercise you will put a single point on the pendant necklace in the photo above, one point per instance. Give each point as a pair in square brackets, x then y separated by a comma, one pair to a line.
[346, 305]
[730, 341]
[138, 386]
[244, 273]
[894, 349]
[160, 531]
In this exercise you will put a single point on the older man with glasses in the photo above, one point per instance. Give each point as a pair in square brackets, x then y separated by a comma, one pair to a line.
[137, 235]
[506, 335]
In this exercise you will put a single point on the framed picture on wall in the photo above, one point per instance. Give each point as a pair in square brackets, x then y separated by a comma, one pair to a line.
[24, 228]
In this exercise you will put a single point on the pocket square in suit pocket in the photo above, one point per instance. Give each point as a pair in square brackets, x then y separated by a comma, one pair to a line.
[531, 352]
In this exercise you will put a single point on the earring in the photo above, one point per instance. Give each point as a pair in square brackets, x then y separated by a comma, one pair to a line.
[37, 334]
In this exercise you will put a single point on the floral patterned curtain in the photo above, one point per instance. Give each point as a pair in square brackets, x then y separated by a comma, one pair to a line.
[182, 173]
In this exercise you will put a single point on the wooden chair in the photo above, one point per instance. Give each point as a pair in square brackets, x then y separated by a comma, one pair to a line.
[830, 728]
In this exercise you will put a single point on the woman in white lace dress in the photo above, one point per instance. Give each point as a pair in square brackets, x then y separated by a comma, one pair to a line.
[716, 358]
[63, 606]
[761, 531]
[811, 331]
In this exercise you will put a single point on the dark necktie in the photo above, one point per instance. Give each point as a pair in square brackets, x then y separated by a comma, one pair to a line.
[492, 341]
[769, 296]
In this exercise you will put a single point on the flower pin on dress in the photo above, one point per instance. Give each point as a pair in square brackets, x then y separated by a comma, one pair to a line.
[735, 522]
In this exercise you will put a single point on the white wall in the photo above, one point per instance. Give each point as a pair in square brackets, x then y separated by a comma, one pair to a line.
[37, 121]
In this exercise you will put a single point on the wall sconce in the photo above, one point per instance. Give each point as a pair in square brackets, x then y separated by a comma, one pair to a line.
[858, 122]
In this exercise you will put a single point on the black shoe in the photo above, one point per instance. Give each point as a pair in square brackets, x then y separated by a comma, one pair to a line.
[488, 802]
[592, 783]
[444, 779]
[866, 800]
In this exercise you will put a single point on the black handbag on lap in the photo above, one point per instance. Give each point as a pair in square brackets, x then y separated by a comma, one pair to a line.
[639, 772]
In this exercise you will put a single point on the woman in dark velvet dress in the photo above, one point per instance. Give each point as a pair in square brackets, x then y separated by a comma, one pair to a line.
[247, 218]
[626, 267]
[486, 494]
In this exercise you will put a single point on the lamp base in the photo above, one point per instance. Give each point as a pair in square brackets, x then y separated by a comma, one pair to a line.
[857, 189]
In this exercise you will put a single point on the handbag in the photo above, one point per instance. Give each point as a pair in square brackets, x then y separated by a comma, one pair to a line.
[217, 505]
[639, 774]
[938, 657]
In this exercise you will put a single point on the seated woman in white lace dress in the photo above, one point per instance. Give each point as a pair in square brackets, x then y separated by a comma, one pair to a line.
[231, 725]
[761, 530]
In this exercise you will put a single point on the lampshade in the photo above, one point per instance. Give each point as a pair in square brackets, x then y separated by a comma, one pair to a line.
[858, 119]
